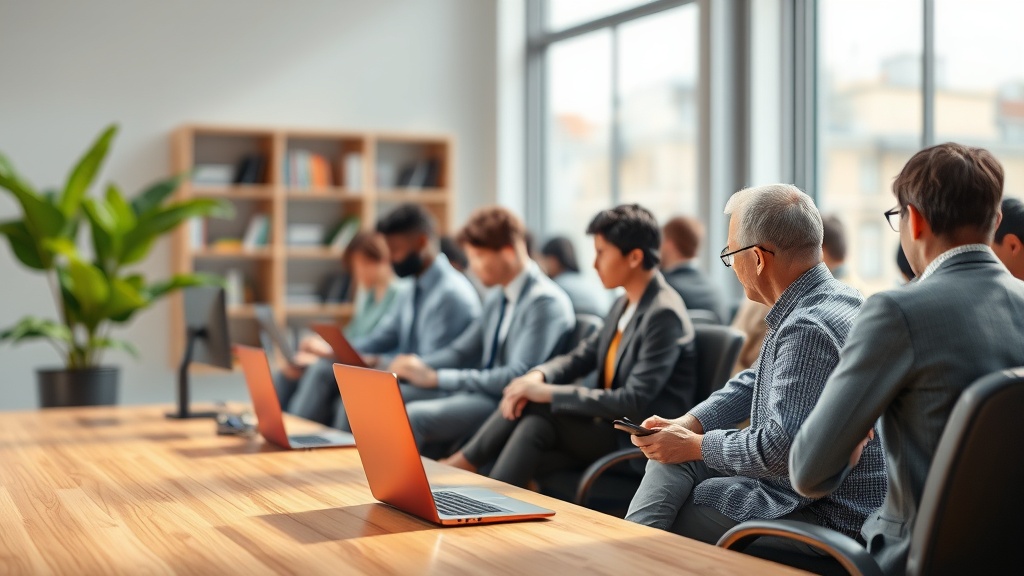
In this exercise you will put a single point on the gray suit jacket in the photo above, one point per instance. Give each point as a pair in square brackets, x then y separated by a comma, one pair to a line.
[911, 352]
[541, 322]
[656, 366]
[697, 292]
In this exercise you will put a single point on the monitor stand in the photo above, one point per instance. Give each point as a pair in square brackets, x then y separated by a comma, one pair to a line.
[183, 411]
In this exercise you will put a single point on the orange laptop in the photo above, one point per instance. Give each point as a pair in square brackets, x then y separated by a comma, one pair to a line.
[268, 408]
[343, 351]
[392, 463]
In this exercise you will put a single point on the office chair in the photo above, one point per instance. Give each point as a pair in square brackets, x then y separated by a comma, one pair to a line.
[698, 316]
[970, 516]
[717, 350]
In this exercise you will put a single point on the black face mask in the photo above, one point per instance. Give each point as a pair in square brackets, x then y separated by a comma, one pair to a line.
[410, 266]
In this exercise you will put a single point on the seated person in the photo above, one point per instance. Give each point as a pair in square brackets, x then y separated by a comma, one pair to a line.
[704, 476]
[366, 258]
[427, 316]
[457, 258]
[558, 258]
[1008, 243]
[912, 351]
[681, 238]
[833, 253]
[644, 355]
[449, 392]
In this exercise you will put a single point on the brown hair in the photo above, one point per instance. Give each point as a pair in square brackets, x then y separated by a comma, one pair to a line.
[369, 244]
[953, 186]
[492, 228]
[685, 234]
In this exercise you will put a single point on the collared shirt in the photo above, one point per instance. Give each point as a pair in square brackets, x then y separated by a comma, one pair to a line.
[513, 290]
[949, 254]
[807, 328]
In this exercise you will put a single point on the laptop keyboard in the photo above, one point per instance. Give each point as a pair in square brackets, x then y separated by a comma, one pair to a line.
[309, 440]
[454, 504]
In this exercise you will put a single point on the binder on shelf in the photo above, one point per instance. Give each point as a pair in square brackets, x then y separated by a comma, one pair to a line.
[251, 169]
[352, 168]
[343, 233]
[197, 233]
[305, 234]
[257, 233]
[234, 287]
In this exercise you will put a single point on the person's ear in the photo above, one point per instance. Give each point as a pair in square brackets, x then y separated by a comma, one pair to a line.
[759, 261]
[918, 225]
[421, 242]
[1013, 244]
[636, 258]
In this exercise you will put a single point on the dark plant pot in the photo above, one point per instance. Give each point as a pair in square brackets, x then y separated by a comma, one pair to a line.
[60, 387]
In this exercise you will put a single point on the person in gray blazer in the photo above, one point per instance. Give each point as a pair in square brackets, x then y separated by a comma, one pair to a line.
[681, 238]
[913, 350]
[704, 475]
[644, 356]
[449, 392]
[429, 315]
[558, 257]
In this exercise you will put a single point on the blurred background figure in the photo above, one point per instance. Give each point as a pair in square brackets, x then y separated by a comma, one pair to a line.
[904, 265]
[1009, 240]
[369, 262]
[558, 259]
[457, 258]
[680, 242]
[833, 253]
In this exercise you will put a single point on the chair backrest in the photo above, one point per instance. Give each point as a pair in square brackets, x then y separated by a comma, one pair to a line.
[717, 350]
[971, 516]
[698, 316]
[586, 324]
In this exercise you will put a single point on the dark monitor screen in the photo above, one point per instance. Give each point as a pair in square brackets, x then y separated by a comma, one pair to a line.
[206, 315]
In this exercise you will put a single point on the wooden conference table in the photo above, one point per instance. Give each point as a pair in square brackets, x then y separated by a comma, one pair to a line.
[124, 490]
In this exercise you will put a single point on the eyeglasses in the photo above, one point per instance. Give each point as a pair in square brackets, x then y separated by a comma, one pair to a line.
[894, 223]
[726, 256]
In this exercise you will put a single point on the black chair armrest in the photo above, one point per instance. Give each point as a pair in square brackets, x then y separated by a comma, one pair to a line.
[845, 550]
[599, 467]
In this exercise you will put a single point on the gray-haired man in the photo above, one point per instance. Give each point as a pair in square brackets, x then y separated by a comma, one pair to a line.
[704, 476]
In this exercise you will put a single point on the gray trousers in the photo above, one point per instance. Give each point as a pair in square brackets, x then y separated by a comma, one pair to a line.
[665, 500]
[436, 416]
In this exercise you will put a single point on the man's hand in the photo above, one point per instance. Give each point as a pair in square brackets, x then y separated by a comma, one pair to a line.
[855, 456]
[672, 444]
[529, 387]
[412, 369]
[315, 345]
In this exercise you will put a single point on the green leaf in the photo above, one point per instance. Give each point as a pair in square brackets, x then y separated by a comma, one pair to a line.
[62, 246]
[42, 219]
[160, 289]
[90, 289]
[99, 343]
[125, 300]
[151, 198]
[138, 242]
[124, 216]
[23, 244]
[103, 231]
[84, 172]
[31, 327]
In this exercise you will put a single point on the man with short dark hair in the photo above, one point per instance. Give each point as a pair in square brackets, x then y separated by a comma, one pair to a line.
[1008, 243]
[429, 315]
[681, 239]
[912, 351]
[705, 475]
[450, 391]
[644, 356]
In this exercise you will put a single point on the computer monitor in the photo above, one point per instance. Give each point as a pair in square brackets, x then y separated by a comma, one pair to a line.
[206, 340]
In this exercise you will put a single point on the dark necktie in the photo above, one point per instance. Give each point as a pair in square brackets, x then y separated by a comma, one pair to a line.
[415, 316]
[497, 332]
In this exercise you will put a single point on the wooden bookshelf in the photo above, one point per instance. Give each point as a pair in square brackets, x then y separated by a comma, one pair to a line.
[298, 178]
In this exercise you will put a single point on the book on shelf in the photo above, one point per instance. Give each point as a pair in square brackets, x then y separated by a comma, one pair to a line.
[251, 170]
[352, 168]
[213, 174]
[420, 174]
[304, 169]
[257, 232]
[337, 288]
[232, 245]
[343, 233]
[234, 287]
[197, 233]
[305, 234]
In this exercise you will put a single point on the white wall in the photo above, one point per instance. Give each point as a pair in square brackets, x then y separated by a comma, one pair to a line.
[69, 68]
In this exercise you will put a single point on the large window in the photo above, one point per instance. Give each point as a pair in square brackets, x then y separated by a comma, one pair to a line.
[619, 111]
[875, 109]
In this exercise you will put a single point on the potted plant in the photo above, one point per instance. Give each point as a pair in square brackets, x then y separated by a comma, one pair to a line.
[93, 293]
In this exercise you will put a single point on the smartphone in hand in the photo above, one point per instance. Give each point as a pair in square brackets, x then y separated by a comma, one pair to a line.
[626, 425]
